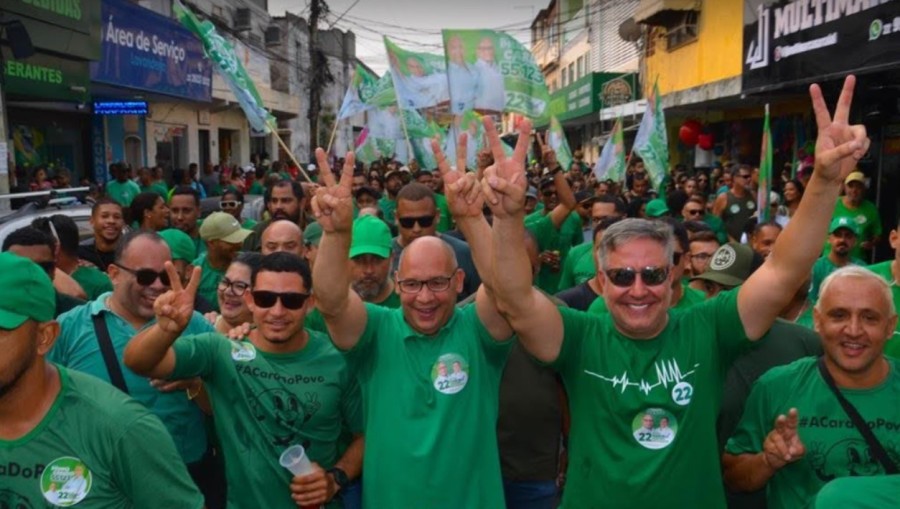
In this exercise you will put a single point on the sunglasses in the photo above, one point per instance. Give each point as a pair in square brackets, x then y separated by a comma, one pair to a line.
[409, 222]
[290, 300]
[230, 204]
[651, 276]
[744, 175]
[694, 212]
[146, 277]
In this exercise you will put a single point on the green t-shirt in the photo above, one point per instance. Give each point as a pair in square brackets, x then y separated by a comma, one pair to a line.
[257, 188]
[126, 457]
[715, 222]
[689, 297]
[867, 220]
[550, 239]
[876, 492]
[834, 447]
[158, 188]
[122, 192]
[77, 348]
[92, 281]
[820, 270]
[209, 280]
[446, 222]
[883, 269]
[616, 384]
[248, 224]
[389, 209]
[578, 267]
[265, 402]
[431, 411]
[315, 321]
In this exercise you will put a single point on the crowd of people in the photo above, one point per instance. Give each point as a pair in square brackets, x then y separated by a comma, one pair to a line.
[515, 335]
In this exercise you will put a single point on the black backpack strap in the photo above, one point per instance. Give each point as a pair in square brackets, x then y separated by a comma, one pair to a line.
[875, 446]
[109, 353]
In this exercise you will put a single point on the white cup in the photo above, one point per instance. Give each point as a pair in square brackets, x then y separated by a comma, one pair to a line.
[294, 459]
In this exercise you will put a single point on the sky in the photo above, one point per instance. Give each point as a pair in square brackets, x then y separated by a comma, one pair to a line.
[416, 25]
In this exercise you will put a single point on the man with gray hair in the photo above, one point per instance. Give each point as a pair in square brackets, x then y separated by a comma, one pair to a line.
[816, 420]
[643, 358]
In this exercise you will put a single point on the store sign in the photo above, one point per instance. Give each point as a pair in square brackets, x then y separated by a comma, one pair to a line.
[120, 107]
[68, 27]
[805, 40]
[146, 51]
[592, 93]
[46, 76]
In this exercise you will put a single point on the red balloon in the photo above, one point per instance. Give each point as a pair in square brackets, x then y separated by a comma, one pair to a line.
[694, 124]
[705, 141]
[688, 135]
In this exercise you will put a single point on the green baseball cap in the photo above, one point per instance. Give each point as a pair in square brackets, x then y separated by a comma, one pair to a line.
[730, 265]
[657, 208]
[844, 222]
[370, 236]
[180, 244]
[29, 294]
[312, 234]
[223, 226]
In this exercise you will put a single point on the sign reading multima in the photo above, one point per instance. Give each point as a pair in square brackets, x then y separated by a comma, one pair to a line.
[807, 40]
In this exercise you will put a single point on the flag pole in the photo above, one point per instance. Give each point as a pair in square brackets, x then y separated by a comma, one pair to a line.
[331, 139]
[289, 152]
[409, 150]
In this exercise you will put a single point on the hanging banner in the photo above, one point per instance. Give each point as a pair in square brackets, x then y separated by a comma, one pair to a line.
[420, 79]
[802, 42]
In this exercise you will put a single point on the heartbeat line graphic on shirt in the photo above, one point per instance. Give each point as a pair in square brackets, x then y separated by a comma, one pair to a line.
[667, 372]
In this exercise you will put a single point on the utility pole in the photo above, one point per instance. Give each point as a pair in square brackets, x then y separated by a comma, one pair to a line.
[316, 9]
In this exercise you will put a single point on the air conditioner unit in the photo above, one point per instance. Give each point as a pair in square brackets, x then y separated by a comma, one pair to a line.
[242, 19]
[273, 36]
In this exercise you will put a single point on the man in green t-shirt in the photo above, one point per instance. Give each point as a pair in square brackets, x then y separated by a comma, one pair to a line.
[890, 271]
[393, 182]
[794, 435]
[445, 222]
[280, 386]
[643, 358]
[122, 189]
[854, 206]
[184, 213]
[223, 236]
[579, 265]
[405, 357]
[66, 438]
[285, 199]
[843, 235]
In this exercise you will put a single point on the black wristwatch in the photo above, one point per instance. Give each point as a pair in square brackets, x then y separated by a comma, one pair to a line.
[340, 477]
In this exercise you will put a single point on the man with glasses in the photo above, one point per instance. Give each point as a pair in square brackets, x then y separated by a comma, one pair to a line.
[233, 202]
[703, 245]
[93, 338]
[643, 358]
[281, 385]
[417, 216]
[736, 206]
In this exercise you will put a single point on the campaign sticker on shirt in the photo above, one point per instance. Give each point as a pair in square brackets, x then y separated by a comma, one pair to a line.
[751, 205]
[654, 428]
[66, 481]
[735, 208]
[450, 373]
[242, 351]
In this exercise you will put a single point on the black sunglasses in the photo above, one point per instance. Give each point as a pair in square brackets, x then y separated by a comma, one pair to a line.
[146, 277]
[409, 222]
[651, 276]
[290, 300]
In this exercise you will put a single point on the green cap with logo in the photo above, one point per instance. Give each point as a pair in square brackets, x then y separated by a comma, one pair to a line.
[223, 226]
[312, 234]
[730, 265]
[180, 244]
[370, 236]
[844, 222]
[657, 208]
[29, 294]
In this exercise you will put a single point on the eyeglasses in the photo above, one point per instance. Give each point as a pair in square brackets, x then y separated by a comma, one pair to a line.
[744, 175]
[651, 276]
[230, 204]
[435, 284]
[290, 300]
[409, 222]
[237, 287]
[694, 212]
[701, 257]
[146, 277]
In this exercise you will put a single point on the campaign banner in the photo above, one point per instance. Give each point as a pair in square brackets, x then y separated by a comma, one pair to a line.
[800, 41]
[420, 79]
[491, 72]
[147, 51]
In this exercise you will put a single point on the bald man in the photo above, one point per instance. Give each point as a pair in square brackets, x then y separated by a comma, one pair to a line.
[283, 235]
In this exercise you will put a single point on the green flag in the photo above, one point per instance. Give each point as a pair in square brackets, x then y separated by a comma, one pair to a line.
[420, 80]
[557, 140]
[362, 87]
[611, 165]
[221, 52]
[651, 142]
[765, 172]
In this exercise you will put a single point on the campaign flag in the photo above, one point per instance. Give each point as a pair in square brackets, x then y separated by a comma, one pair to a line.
[765, 172]
[651, 142]
[491, 72]
[416, 125]
[611, 165]
[420, 79]
[361, 87]
[556, 137]
[229, 66]
[365, 148]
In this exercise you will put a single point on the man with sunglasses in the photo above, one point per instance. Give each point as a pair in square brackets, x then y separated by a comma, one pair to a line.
[397, 353]
[138, 277]
[280, 386]
[233, 202]
[643, 358]
[736, 206]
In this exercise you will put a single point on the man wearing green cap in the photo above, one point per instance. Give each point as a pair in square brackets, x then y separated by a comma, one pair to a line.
[311, 237]
[843, 235]
[657, 208]
[76, 439]
[182, 247]
[223, 236]
[370, 262]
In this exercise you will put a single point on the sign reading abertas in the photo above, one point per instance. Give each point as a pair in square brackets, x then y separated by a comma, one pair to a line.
[801, 41]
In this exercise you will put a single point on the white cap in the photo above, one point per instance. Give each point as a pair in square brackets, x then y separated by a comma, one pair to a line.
[311, 167]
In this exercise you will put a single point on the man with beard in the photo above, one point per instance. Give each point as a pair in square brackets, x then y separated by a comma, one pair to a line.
[842, 237]
[93, 337]
[393, 182]
[854, 205]
[223, 236]
[94, 444]
[184, 212]
[107, 222]
[370, 262]
[283, 200]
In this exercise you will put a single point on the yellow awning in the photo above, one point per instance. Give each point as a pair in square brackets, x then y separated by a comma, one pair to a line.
[654, 12]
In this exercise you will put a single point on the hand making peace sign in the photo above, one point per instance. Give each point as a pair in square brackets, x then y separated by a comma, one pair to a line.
[464, 196]
[839, 146]
[174, 308]
[504, 183]
[333, 203]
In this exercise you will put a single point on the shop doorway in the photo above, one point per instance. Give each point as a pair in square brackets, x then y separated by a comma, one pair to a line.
[203, 140]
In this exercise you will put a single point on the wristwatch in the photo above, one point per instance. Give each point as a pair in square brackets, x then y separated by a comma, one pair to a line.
[340, 477]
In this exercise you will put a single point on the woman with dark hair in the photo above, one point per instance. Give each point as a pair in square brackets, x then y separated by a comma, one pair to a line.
[793, 192]
[149, 212]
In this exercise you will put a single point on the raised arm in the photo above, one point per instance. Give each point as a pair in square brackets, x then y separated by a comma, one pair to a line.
[150, 352]
[466, 202]
[342, 309]
[839, 146]
[563, 190]
[530, 313]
